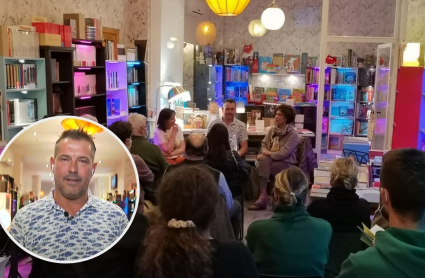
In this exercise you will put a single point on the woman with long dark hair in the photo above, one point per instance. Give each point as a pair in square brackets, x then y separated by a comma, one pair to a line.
[179, 244]
[168, 136]
[221, 157]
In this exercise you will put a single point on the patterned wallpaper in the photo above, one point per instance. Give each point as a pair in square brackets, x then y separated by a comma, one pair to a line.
[302, 29]
[188, 67]
[416, 22]
[135, 24]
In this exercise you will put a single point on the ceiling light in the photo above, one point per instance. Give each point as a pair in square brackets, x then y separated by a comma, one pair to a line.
[100, 161]
[35, 133]
[170, 45]
[256, 28]
[47, 165]
[25, 92]
[228, 7]
[273, 18]
[50, 173]
[173, 39]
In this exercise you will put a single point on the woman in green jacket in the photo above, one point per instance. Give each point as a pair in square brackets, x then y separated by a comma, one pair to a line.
[291, 242]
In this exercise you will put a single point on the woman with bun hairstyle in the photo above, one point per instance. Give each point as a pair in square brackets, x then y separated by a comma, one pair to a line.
[291, 242]
[178, 243]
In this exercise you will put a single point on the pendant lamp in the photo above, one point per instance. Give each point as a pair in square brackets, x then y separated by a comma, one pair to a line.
[256, 28]
[228, 7]
[273, 18]
[206, 33]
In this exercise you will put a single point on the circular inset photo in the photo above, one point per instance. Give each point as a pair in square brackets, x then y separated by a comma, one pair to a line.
[68, 189]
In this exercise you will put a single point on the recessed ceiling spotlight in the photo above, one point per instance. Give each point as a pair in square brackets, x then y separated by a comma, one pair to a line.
[173, 39]
[35, 133]
[47, 165]
[50, 173]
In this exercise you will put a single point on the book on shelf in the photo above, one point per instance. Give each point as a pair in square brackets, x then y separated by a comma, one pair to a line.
[84, 55]
[132, 75]
[21, 111]
[312, 76]
[21, 76]
[111, 51]
[112, 80]
[121, 52]
[55, 70]
[284, 93]
[271, 94]
[292, 63]
[298, 95]
[93, 29]
[236, 74]
[133, 96]
[84, 84]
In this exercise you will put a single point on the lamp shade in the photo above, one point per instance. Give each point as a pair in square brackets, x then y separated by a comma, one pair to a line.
[178, 93]
[273, 18]
[411, 54]
[87, 127]
[206, 33]
[256, 28]
[228, 7]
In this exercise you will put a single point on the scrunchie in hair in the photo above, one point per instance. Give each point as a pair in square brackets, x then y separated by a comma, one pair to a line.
[173, 223]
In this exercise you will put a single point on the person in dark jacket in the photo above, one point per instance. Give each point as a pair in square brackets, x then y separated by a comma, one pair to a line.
[345, 211]
[179, 243]
[342, 207]
[221, 157]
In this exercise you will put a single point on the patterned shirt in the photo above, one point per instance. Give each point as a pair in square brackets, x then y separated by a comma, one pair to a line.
[236, 128]
[42, 228]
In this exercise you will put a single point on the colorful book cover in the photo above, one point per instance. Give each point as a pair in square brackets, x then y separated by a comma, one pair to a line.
[284, 94]
[293, 63]
[325, 125]
[278, 59]
[269, 110]
[349, 77]
[271, 94]
[312, 61]
[262, 64]
[298, 95]
[258, 92]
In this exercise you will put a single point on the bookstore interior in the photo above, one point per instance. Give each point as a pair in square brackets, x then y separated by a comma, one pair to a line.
[358, 85]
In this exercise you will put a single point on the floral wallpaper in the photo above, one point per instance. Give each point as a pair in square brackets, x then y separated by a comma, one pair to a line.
[136, 24]
[368, 18]
[416, 22]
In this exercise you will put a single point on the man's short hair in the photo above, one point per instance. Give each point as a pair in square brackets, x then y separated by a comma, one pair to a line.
[229, 100]
[136, 120]
[122, 130]
[200, 150]
[403, 175]
[77, 135]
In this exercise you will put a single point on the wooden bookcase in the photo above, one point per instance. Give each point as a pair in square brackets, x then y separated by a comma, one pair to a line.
[92, 104]
[60, 93]
[38, 93]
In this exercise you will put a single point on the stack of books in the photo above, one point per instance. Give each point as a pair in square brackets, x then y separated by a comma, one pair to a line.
[322, 179]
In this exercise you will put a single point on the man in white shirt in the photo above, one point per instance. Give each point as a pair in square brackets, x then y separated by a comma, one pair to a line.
[236, 128]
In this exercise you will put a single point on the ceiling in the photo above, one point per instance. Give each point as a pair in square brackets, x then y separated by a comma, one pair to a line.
[36, 150]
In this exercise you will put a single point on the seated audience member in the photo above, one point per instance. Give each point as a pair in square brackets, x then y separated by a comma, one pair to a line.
[124, 130]
[196, 149]
[398, 251]
[70, 208]
[178, 244]
[169, 136]
[342, 207]
[227, 161]
[150, 153]
[117, 262]
[345, 211]
[278, 151]
[291, 242]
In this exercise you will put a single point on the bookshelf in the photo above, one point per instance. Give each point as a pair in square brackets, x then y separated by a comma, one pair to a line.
[59, 79]
[341, 107]
[116, 91]
[364, 100]
[136, 78]
[236, 83]
[31, 98]
[90, 79]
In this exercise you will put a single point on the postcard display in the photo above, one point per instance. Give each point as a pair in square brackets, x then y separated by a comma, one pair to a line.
[341, 107]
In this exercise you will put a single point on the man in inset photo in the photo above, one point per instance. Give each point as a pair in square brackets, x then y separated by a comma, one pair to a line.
[70, 223]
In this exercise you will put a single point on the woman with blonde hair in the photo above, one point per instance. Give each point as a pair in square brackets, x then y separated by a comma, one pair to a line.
[291, 242]
[342, 207]
[345, 211]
